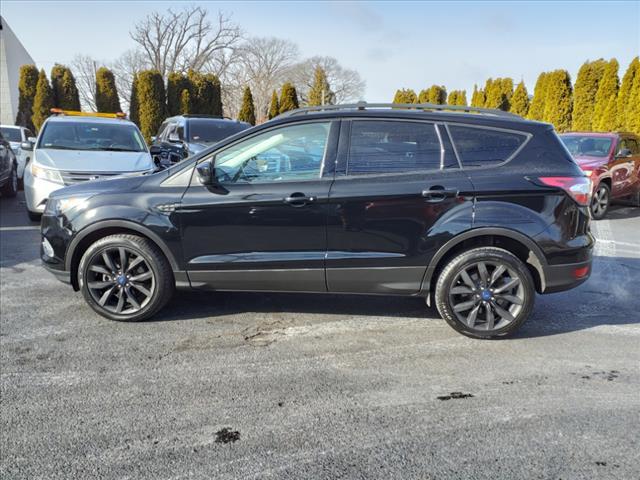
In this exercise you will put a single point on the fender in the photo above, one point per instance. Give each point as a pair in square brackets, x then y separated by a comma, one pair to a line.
[136, 227]
[538, 261]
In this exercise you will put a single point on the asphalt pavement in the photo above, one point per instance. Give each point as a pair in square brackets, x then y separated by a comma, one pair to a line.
[296, 386]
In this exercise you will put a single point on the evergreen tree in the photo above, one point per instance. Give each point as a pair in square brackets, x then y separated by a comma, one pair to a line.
[537, 107]
[320, 93]
[186, 106]
[405, 96]
[478, 97]
[625, 99]
[605, 110]
[558, 101]
[498, 93]
[43, 101]
[26, 92]
[68, 96]
[584, 94]
[520, 100]
[632, 110]
[176, 84]
[274, 107]
[247, 110]
[134, 108]
[107, 100]
[151, 102]
[288, 98]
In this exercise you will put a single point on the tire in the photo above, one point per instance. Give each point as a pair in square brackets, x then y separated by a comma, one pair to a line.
[10, 189]
[453, 291]
[103, 286]
[34, 216]
[600, 202]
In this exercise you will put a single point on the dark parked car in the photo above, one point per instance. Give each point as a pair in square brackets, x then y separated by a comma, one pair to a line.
[184, 135]
[473, 212]
[8, 169]
[612, 161]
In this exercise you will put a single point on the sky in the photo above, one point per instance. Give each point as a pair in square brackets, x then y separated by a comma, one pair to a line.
[391, 44]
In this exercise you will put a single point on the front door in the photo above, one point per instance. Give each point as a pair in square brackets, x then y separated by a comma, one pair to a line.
[398, 196]
[263, 225]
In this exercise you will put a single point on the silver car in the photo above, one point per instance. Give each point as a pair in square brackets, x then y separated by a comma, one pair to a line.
[74, 149]
[21, 140]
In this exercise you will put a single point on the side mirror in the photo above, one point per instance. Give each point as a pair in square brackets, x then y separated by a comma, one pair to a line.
[174, 138]
[206, 172]
[26, 146]
[624, 152]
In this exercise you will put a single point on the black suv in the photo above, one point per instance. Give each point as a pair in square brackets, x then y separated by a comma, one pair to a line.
[475, 212]
[181, 136]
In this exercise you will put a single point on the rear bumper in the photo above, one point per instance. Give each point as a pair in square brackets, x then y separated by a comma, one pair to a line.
[559, 278]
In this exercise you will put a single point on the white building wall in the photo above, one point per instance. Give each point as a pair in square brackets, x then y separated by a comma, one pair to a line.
[12, 56]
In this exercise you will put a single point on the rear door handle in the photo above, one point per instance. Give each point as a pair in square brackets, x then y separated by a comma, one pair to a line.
[298, 199]
[438, 193]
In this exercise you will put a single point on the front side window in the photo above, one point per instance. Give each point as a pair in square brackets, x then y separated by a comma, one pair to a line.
[91, 136]
[379, 147]
[283, 154]
[480, 147]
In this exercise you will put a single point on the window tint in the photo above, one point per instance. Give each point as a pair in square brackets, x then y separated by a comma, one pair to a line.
[392, 147]
[282, 154]
[478, 146]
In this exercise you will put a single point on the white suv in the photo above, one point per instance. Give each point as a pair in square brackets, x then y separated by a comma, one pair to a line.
[21, 140]
[74, 147]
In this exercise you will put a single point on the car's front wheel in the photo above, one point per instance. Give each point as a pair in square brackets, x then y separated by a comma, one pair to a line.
[600, 201]
[485, 292]
[125, 277]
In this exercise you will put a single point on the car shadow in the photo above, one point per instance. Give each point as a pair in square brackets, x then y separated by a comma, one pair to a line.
[607, 299]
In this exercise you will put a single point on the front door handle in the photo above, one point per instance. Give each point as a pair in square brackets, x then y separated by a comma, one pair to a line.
[438, 193]
[298, 199]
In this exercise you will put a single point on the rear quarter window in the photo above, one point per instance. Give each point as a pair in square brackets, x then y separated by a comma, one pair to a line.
[479, 147]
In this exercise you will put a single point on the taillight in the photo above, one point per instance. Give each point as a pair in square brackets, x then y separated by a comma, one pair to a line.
[578, 188]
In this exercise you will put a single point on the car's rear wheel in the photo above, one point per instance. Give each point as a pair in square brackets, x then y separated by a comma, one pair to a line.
[10, 189]
[600, 201]
[125, 277]
[485, 292]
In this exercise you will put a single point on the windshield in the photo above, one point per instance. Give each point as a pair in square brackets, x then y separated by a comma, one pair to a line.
[210, 131]
[92, 136]
[11, 134]
[587, 146]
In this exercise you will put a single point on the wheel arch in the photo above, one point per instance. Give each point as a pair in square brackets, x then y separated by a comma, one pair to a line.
[96, 231]
[518, 244]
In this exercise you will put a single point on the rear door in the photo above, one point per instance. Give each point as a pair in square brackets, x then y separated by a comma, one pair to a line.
[398, 196]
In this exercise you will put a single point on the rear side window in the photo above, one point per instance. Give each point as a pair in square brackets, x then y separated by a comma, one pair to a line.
[392, 147]
[478, 146]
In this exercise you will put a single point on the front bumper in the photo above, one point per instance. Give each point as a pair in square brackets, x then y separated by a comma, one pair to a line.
[37, 191]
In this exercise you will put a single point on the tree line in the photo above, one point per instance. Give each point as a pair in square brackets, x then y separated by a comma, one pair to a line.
[150, 100]
[598, 101]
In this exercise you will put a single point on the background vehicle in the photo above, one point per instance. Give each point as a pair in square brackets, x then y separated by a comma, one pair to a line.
[612, 161]
[21, 140]
[184, 135]
[76, 147]
[460, 209]
[8, 169]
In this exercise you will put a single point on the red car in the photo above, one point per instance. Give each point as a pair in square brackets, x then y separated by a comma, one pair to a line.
[612, 161]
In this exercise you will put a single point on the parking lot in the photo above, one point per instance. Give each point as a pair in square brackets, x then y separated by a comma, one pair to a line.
[318, 386]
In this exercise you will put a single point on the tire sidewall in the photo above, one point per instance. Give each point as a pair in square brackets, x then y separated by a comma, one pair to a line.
[489, 254]
[97, 249]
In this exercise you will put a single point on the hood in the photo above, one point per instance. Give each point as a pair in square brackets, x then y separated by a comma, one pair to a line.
[589, 163]
[93, 161]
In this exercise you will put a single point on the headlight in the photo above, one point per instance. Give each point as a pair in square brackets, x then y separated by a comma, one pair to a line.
[46, 174]
[62, 205]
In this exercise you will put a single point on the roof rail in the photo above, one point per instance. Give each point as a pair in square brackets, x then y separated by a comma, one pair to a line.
[411, 106]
